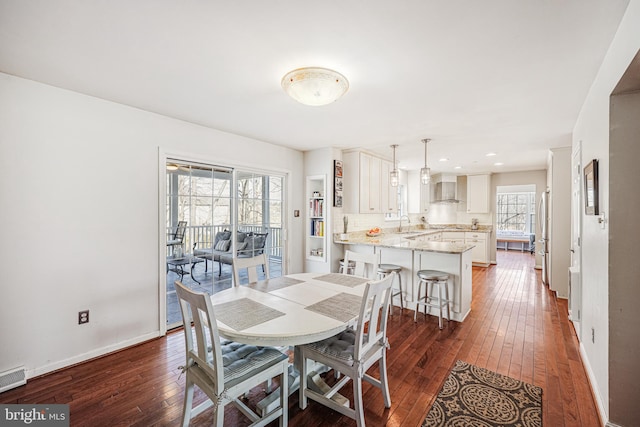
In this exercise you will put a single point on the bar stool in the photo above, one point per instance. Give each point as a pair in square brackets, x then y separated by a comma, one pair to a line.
[383, 271]
[352, 265]
[439, 279]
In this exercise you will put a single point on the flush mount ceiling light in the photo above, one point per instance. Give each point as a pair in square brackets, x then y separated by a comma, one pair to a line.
[314, 85]
[394, 176]
[425, 172]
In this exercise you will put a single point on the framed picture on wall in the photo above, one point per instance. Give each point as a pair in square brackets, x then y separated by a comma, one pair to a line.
[337, 183]
[591, 188]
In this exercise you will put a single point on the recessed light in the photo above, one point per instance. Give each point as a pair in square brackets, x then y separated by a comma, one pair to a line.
[444, 159]
[458, 167]
[491, 154]
[498, 164]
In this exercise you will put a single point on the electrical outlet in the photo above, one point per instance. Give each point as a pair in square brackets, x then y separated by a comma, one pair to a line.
[83, 317]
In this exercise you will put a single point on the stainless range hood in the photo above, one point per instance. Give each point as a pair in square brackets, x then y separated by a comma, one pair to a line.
[445, 189]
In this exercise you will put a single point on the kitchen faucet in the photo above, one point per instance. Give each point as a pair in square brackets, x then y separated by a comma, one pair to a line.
[400, 226]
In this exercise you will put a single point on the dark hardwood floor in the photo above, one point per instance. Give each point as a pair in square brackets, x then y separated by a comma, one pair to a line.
[516, 327]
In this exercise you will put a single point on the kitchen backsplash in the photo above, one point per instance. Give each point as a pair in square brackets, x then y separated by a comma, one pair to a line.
[438, 214]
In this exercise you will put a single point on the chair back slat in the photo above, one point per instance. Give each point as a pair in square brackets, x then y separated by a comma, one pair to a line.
[180, 230]
[251, 265]
[196, 308]
[365, 265]
[372, 323]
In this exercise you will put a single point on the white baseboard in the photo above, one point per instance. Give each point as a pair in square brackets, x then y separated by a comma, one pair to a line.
[90, 355]
[604, 417]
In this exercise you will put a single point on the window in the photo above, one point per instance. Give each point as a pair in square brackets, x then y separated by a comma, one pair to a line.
[516, 211]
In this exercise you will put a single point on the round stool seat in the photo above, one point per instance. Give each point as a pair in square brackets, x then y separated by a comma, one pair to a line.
[388, 268]
[432, 275]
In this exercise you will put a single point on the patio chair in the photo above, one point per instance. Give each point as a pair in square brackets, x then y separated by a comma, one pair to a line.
[251, 264]
[225, 370]
[177, 237]
[352, 353]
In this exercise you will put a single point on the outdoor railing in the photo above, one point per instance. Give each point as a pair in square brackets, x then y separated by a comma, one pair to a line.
[204, 236]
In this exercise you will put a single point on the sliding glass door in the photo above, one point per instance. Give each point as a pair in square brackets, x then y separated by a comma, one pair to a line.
[260, 212]
[213, 215]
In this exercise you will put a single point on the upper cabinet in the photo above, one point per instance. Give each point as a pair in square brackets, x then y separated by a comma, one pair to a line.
[478, 191]
[388, 194]
[366, 184]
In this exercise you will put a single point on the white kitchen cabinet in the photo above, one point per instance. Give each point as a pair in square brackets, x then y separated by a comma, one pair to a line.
[418, 194]
[480, 253]
[366, 187]
[433, 237]
[425, 197]
[369, 184]
[388, 194]
[453, 236]
[478, 191]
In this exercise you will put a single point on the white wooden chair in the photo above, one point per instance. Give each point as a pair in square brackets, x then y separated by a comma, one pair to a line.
[365, 265]
[251, 264]
[225, 370]
[352, 352]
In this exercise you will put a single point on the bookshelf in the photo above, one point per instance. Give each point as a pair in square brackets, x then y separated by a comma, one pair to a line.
[317, 225]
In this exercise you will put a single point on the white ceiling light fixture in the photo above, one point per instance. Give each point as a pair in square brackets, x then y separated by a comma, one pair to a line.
[394, 176]
[425, 172]
[314, 86]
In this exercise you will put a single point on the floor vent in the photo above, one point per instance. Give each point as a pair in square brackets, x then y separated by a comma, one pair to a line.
[12, 378]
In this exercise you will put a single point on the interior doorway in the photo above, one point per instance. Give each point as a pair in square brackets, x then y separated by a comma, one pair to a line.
[516, 218]
[624, 269]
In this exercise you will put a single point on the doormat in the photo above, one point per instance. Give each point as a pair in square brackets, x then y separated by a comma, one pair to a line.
[473, 396]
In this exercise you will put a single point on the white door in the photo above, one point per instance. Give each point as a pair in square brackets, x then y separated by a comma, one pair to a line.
[575, 277]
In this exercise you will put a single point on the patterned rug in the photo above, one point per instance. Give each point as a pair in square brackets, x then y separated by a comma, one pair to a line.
[476, 397]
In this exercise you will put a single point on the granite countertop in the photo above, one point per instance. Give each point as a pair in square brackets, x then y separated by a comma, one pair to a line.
[404, 241]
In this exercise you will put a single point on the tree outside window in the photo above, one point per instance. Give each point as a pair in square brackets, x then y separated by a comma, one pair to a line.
[516, 211]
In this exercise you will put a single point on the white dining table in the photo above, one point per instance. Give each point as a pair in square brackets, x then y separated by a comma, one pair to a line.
[289, 310]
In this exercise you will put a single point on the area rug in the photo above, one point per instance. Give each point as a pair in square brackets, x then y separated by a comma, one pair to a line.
[473, 396]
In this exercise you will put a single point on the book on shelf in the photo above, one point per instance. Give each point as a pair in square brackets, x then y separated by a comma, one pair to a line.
[317, 227]
[316, 207]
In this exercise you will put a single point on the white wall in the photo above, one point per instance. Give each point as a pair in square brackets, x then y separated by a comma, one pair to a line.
[79, 194]
[592, 128]
[320, 162]
[560, 220]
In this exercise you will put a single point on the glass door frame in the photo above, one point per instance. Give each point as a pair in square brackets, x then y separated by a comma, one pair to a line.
[163, 157]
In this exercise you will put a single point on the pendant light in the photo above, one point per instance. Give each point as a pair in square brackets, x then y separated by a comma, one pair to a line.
[425, 172]
[394, 177]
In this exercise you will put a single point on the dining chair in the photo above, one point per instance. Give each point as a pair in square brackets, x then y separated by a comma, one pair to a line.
[225, 370]
[364, 265]
[251, 265]
[352, 352]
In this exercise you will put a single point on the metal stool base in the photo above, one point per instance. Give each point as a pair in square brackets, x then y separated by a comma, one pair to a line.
[439, 279]
[383, 270]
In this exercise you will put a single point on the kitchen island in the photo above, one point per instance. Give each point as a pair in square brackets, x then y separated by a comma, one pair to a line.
[415, 251]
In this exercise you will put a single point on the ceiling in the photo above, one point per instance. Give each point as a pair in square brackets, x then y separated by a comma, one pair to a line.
[499, 76]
